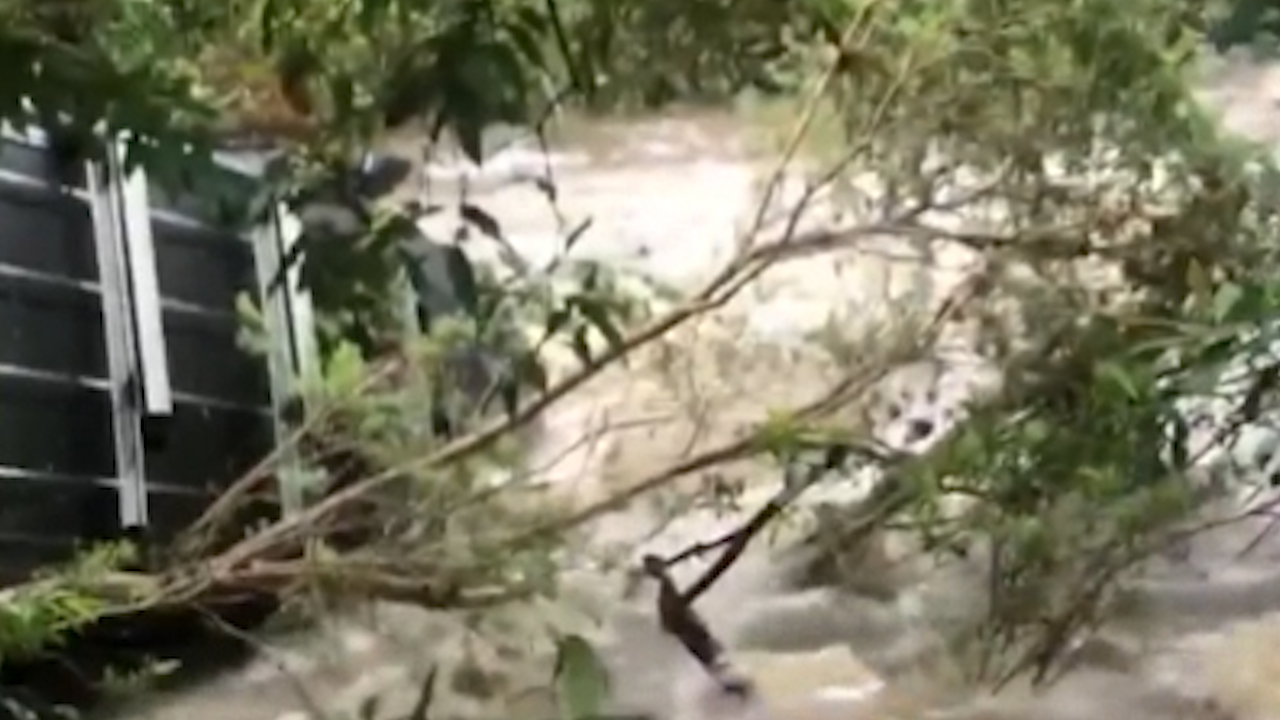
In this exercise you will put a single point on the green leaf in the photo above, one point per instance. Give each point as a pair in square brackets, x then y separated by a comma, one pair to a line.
[371, 13]
[582, 681]
[581, 348]
[463, 278]
[481, 220]
[598, 315]
[576, 233]
[1179, 454]
[590, 276]
[267, 17]
[344, 369]
[526, 34]
[509, 394]
[1198, 280]
[471, 140]
[1225, 300]
[529, 371]
[779, 434]
[557, 320]
[1120, 377]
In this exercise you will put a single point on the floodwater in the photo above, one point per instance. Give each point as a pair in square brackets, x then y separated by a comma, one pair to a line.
[668, 196]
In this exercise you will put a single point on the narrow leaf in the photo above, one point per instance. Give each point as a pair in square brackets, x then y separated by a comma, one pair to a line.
[581, 347]
[576, 234]
[481, 220]
[582, 681]
[509, 394]
[463, 278]
[1120, 377]
[529, 371]
[598, 316]
[1225, 300]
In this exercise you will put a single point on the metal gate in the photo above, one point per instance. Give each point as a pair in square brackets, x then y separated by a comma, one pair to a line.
[125, 399]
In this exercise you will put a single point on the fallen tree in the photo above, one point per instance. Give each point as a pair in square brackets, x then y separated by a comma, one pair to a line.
[1122, 251]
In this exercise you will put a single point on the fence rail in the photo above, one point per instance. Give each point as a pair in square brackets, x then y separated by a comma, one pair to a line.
[125, 400]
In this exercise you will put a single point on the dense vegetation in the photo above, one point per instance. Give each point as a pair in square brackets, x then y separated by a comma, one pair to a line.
[1135, 257]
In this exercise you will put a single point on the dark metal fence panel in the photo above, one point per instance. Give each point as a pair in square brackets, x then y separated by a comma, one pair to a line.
[82, 452]
[222, 422]
[57, 463]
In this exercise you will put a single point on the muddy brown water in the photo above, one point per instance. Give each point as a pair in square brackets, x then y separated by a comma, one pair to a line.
[666, 194]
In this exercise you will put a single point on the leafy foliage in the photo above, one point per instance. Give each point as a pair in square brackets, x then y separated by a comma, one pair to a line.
[1111, 220]
[1128, 253]
[43, 614]
[582, 677]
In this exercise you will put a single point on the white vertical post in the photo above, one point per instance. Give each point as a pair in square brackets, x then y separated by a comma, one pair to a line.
[289, 321]
[126, 419]
[148, 317]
